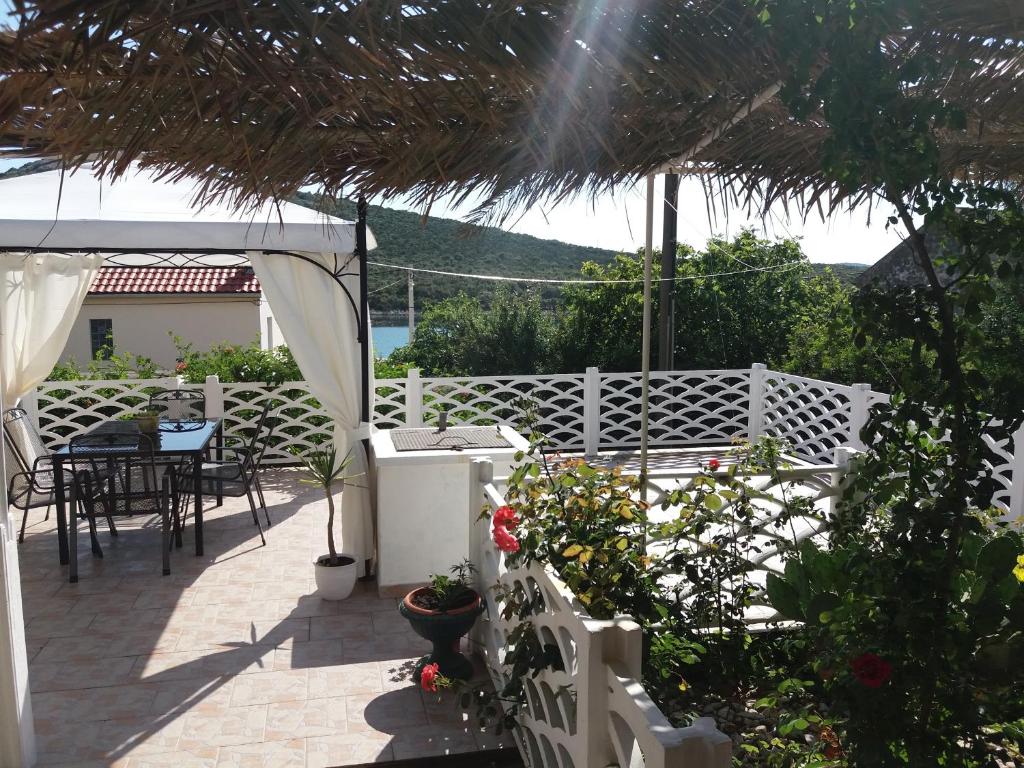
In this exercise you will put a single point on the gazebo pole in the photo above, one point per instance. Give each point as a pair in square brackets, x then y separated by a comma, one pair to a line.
[364, 310]
[645, 362]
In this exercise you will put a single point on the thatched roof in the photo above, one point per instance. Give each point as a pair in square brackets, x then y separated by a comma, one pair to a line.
[512, 99]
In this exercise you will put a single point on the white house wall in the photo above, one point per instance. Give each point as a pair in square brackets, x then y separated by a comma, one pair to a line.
[141, 324]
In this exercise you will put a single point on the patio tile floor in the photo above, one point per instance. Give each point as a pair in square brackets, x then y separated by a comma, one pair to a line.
[231, 660]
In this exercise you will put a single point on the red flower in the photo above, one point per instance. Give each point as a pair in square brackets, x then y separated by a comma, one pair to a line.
[428, 677]
[714, 464]
[871, 670]
[181, 366]
[506, 517]
[504, 540]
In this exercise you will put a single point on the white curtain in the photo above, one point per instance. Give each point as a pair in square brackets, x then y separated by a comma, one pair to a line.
[42, 294]
[321, 329]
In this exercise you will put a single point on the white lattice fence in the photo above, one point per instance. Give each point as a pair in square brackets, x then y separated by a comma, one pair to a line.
[66, 409]
[593, 711]
[816, 417]
[300, 420]
[390, 404]
[686, 407]
[486, 400]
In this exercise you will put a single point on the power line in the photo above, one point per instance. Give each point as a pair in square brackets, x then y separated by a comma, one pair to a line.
[553, 281]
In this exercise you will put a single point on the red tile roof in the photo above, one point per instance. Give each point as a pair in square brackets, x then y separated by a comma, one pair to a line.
[157, 280]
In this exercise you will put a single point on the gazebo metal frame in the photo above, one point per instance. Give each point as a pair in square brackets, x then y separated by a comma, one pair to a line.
[124, 258]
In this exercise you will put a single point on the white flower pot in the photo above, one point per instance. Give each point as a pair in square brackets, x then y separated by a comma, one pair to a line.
[335, 583]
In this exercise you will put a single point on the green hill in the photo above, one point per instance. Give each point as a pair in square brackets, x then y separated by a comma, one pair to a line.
[451, 246]
[404, 238]
[844, 271]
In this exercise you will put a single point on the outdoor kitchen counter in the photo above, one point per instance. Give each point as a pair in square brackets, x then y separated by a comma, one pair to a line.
[423, 498]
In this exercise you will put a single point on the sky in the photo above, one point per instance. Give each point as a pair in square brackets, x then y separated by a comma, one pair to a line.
[616, 222]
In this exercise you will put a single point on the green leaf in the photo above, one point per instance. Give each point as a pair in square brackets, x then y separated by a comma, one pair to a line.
[998, 557]
[572, 551]
[713, 502]
[822, 603]
[784, 598]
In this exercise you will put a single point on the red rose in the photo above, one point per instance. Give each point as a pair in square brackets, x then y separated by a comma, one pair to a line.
[504, 540]
[506, 517]
[428, 677]
[871, 670]
[714, 464]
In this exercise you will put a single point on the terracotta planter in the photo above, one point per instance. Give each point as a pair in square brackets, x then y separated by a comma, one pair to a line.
[443, 630]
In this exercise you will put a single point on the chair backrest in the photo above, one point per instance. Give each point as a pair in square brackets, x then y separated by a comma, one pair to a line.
[252, 445]
[25, 442]
[179, 404]
[95, 450]
[12, 464]
[260, 448]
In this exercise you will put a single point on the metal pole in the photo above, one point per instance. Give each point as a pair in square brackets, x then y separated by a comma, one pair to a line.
[364, 309]
[646, 336]
[412, 308]
[666, 305]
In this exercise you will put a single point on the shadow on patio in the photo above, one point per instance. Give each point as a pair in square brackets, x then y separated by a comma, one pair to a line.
[230, 660]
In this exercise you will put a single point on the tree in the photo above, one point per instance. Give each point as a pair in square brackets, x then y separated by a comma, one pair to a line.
[458, 337]
[736, 303]
[821, 341]
[919, 580]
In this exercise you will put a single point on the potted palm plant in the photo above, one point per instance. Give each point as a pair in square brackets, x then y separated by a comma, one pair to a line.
[335, 573]
[442, 613]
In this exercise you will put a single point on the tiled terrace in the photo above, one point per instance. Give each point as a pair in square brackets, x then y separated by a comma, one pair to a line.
[230, 660]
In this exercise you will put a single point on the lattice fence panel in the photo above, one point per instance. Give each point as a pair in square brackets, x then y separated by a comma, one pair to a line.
[686, 408]
[69, 408]
[301, 422]
[813, 415]
[1002, 468]
[489, 400]
[390, 405]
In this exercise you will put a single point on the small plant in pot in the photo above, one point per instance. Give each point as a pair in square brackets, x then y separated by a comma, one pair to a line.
[335, 573]
[146, 419]
[443, 613]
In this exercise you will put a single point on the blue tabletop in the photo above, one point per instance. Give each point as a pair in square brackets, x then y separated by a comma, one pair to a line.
[173, 439]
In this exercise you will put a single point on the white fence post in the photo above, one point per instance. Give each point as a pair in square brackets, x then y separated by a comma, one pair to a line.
[592, 412]
[414, 399]
[214, 392]
[859, 400]
[755, 409]
[1016, 510]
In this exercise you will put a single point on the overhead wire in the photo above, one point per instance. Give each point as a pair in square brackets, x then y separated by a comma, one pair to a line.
[558, 281]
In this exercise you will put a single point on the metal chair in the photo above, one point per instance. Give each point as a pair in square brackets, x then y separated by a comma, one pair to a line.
[29, 469]
[179, 405]
[115, 472]
[236, 476]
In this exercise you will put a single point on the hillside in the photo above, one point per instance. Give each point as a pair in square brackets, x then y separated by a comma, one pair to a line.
[844, 271]
[451, 246]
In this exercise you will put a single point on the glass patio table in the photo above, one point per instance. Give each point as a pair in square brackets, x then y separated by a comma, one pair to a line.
[184, 440]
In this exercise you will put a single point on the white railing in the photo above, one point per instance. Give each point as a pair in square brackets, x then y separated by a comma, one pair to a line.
[587, 413]
[593, 711]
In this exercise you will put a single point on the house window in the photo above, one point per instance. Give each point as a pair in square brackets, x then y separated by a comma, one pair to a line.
[101, 337]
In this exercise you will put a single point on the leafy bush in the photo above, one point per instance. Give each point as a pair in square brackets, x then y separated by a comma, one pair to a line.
[234, 363]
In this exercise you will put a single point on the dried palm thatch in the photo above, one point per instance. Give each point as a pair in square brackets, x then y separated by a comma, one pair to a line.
[510, 100]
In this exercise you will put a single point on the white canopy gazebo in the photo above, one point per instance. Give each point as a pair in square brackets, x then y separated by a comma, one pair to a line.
[57, 230]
